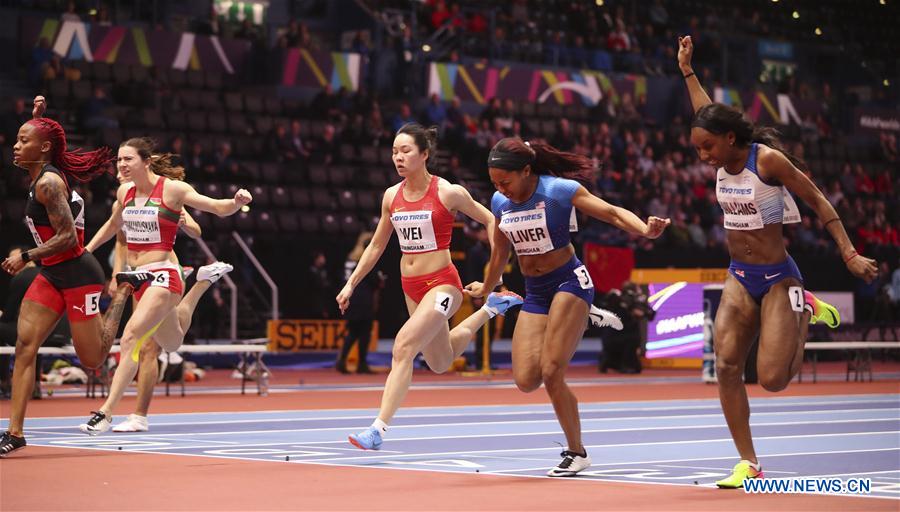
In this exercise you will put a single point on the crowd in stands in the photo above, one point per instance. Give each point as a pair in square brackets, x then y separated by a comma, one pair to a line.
[331, 156]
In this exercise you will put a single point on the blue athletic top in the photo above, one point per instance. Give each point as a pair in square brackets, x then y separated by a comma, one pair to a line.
[542, 223]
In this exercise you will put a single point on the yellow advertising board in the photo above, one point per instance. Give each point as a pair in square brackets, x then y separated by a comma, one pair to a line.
[674, 275]
[311, 335]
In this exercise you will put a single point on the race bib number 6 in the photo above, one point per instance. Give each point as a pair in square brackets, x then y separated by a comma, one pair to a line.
[161, 279]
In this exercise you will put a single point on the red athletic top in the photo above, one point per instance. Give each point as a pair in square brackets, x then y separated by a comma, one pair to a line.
[39, 222]
[153, 226]
[424, 225]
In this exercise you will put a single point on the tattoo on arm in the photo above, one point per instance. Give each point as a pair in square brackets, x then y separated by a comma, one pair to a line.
[52, 193]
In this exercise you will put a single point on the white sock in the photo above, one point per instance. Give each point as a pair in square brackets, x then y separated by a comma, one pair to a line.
[492, 312]
[380, 425]
[754, 466]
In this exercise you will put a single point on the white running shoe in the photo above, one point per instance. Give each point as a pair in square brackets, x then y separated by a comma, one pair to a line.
[133, 423]
[213, 271]
[98, 424]
[603, 318]
[571, 465]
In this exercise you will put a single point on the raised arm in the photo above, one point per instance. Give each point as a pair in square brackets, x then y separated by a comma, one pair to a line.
[220, 207]
[619, 217]
[699, 98]
[775, 165]
[371, 254]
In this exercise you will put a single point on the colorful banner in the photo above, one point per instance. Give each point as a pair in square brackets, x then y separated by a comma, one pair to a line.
[317, 69]
[311, 335]
[75, 40]
[677, 329]
[609, 266]
[480, 83]
[766, 106]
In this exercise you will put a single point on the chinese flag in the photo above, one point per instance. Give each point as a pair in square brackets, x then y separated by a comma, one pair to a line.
[609, 266]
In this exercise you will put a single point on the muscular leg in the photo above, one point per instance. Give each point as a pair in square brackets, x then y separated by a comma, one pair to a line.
[782, 337]
[147, 376]
[736, 326]
[565, 326]
[35, 323]
[85, 334]
[155, 305]
[527, 345]
[424, 324]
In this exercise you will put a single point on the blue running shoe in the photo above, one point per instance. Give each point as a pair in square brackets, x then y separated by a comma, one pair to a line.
[368, 439]
[500, 302]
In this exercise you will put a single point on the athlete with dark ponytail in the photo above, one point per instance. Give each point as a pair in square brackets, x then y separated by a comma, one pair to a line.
[763, 292]
[538, 189]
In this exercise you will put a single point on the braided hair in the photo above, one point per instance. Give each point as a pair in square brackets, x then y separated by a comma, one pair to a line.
[82, 166]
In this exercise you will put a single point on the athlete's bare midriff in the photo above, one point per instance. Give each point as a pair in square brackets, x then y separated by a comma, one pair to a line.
[539, 264]
[412, 265]
[757, 247]
[139, 258]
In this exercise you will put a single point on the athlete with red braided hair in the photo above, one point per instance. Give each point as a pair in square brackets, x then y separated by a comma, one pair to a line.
[70, 280]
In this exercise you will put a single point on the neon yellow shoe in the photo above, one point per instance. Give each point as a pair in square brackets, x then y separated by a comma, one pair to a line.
[822, 311]
[743, 470]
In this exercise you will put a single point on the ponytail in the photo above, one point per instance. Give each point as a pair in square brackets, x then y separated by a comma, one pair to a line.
[513, 154]
[81, 166]
[720, 119]
[160, 163]
[769, 136]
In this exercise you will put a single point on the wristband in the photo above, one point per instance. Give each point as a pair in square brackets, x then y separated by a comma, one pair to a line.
[689, 74]
[855, 254]
[25, 256]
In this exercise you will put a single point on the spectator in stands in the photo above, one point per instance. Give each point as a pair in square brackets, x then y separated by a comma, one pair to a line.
[71, 13]
[402, 117]
[97, 111]
[326, 150]
[361, 313]
[12, 120]
[176, 149]
[40, 57]
[435, 113]
[320, 286]
[197, 159]
[324, 105]
[298, 150]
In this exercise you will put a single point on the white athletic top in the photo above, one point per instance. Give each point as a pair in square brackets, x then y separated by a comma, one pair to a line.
[750, 203]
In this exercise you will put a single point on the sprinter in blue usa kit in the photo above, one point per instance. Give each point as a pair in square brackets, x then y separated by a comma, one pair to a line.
[538, 190]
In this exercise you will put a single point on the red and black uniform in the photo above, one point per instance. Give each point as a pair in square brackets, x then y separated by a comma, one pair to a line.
[70, 281]
[152, 226]
[424, 226]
